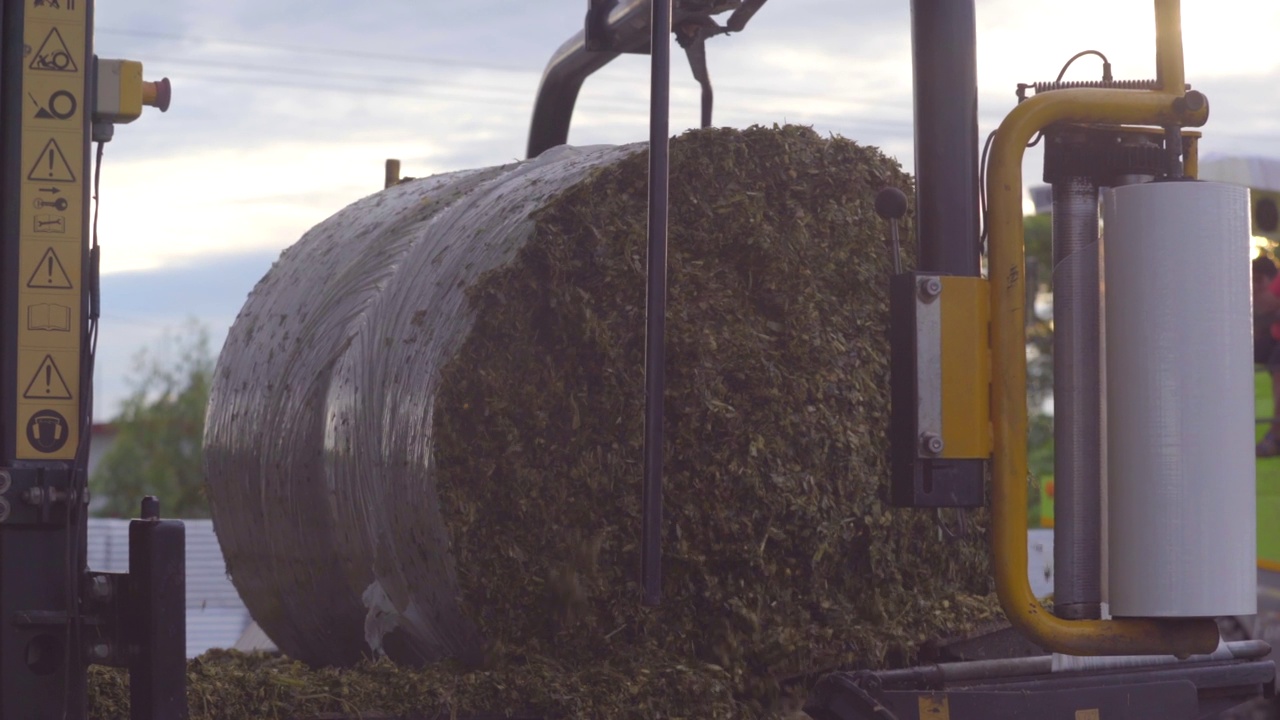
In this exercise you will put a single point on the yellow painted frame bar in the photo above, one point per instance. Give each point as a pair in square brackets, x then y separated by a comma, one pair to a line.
[1130, 636]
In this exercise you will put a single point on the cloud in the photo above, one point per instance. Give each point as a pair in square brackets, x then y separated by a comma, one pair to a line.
[139, 307]
[284, 112]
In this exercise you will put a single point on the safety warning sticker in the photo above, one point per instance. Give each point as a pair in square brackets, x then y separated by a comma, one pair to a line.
[51, 221]
[48, 431]
[54, 55]
[49, 273]
[47, 383]
[52, 165]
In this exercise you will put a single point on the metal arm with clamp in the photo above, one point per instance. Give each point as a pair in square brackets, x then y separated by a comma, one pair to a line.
[615, 27]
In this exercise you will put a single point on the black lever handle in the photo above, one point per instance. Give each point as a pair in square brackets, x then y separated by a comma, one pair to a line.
[891, 204]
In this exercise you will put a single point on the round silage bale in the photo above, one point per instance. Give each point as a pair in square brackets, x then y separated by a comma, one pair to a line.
[425, 428]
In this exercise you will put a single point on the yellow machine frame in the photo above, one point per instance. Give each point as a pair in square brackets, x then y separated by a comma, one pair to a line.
[1167, 106]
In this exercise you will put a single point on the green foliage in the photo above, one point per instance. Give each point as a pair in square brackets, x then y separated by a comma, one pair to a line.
[1038, 234]
[1038, 231]
[1040, 445]
[1039, 465]
[1268, 478]
[157, 450]
[1038, 237]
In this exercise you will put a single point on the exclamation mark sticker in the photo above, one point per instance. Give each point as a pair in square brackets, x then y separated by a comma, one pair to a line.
[49, 273]
[51, 166]
[47, 383]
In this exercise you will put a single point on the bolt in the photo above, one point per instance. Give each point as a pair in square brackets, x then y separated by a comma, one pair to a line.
[1193, 101]
[930, 288]
[100, 588]
[4, 509]
[34, 496]
[930, 444]
[99, 652]
[5, 482]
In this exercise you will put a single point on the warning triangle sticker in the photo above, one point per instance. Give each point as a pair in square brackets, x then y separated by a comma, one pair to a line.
[47, 384]
[53, 55]
[49, 273]
[51, 165]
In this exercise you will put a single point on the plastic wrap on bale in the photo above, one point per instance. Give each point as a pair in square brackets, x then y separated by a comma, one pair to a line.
[425, 429]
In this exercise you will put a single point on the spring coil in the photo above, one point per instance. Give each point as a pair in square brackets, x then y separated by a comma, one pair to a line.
[1040, 87]
[1117, 84]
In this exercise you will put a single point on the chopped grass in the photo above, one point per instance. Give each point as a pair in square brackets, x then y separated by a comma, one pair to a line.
[782, 558]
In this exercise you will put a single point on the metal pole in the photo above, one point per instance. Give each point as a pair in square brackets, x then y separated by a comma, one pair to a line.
[944, 56]
[944, 61]
[392, 174]
[656, 301]
[43, 664]
[1077, 401]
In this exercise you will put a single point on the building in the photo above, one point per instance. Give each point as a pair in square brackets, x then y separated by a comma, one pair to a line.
[216, 618]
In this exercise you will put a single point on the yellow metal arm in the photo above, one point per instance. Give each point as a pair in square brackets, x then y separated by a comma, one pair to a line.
[1169, 67]
[1009, 370]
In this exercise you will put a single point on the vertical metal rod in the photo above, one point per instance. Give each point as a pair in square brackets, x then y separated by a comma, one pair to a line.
[897, 246]
[944, 58]
[1173, 151]
[392, 173]
[945, 78]
[1077, 401]
[655, 380]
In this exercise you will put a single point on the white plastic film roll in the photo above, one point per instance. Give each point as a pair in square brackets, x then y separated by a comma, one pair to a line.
[1179, 374]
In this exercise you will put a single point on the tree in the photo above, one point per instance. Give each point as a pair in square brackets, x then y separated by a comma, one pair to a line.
[1038, 234]
[1038, 239]
[158, 445]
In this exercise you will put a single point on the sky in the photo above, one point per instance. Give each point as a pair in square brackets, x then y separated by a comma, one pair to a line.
[284, 112]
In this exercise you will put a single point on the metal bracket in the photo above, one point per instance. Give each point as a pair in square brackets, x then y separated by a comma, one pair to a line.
[940, 375]
[611, 28]
[157, 618]
[1106, 153]
[1024, 687]
[138, 620]
[36, 495]
[596, 33]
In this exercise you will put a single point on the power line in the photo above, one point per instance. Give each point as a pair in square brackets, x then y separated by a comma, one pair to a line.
[523, 94]
[448, 62]
[303, 72]
[314, 50]
[507, 97]
[525, 102]
[591, 104]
